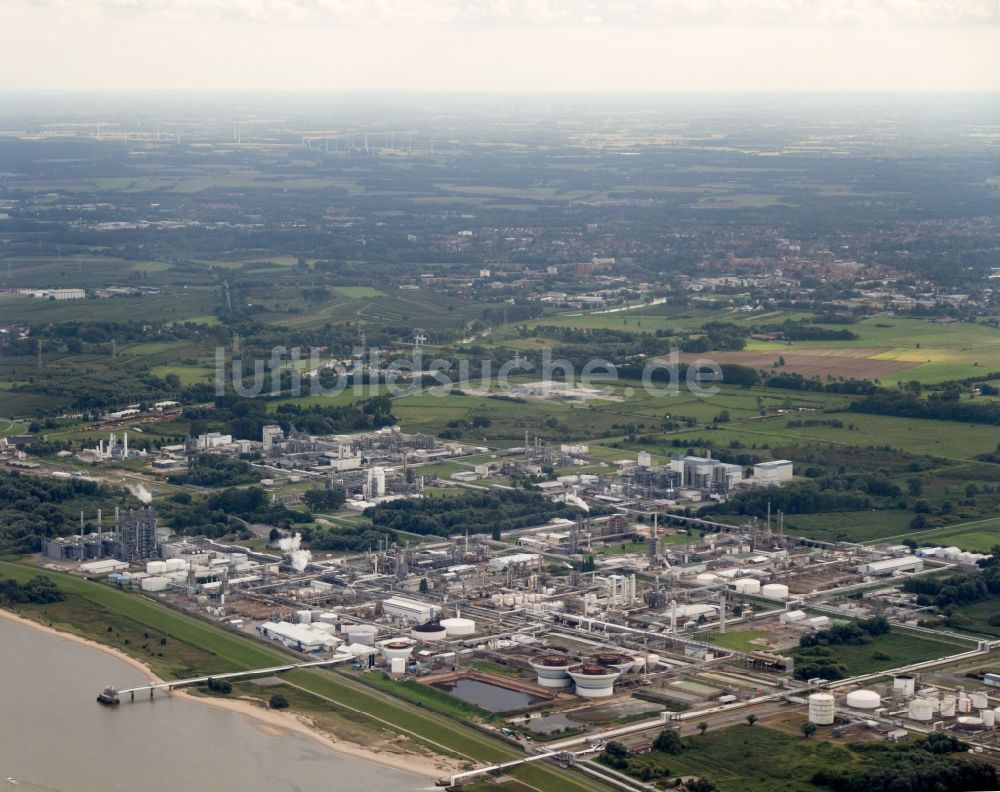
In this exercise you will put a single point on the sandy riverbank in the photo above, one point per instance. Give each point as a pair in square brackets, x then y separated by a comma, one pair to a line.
[273, 722]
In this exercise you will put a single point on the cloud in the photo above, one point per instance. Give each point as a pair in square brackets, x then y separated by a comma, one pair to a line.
[547, 13]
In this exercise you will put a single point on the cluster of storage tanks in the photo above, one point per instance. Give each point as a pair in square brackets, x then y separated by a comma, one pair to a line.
[971, 711]
[512, 600]
[455, 627]
[591, 678]
[745, 585]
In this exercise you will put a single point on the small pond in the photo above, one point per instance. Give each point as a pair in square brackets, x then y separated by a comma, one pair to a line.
[488, 696]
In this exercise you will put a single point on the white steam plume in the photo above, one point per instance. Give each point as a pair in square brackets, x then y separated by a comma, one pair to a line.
[292, 545]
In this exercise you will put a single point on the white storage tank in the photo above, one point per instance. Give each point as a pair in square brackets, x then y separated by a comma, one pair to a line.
[980, 699]
[864, 699]
[775, 591]
[397, 665]
[821, 709]
[553, 669]
[361, 634]
[964, 704]
[594, 680]
[156, 567]
[747, 586]
[154, 584]
[921, 709]
[175, 564]
[458, 626]
[904, 684]
[706, 579]
[948, 703]
[989, 718]
[304, 617]
[969, 723]
[328, 618]
[431, 631]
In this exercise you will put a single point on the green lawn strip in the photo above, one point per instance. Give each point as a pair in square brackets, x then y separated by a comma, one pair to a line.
[426, 696]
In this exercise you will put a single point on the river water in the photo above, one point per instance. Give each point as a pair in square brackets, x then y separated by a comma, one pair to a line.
[54, 737]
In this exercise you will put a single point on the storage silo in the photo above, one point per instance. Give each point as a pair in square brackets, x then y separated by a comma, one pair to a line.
[921, 709]
[821, 709]
[747, 586]
[904, 684]
[989, 718]
[458, 626]
[948, 703]
[431, 631]
[361, 634]
[980, 699]
[775, 591]
[864, 699]
[969, 723]
[397, 665]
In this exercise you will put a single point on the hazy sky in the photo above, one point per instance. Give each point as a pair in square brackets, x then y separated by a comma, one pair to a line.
[636, 45]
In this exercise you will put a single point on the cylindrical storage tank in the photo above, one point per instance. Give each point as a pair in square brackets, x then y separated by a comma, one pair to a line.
[948, 706]
[864, 699]
[154, 584]
[775, 591]
[980, 700]
[904, 683]
[969, 723]
[431, 631]
[329, 618]
[552, 670]
[361, 634]
[594, 681]
[989, 718]
[652, 661]
[821, 709]
[400, 648]
[996, 712]
[921, 710]
[706, 579]
[304, 617]
[747, 586]
[964, 704]
[508, 600]
[458, 626]
[175, 564]
[397, 665]
[156, 567]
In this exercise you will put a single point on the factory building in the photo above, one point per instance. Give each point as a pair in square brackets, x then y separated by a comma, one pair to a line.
[775, 472]
[409, 610]
[706, 474]
[271, 436]
[892, 566]
[137, 535]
